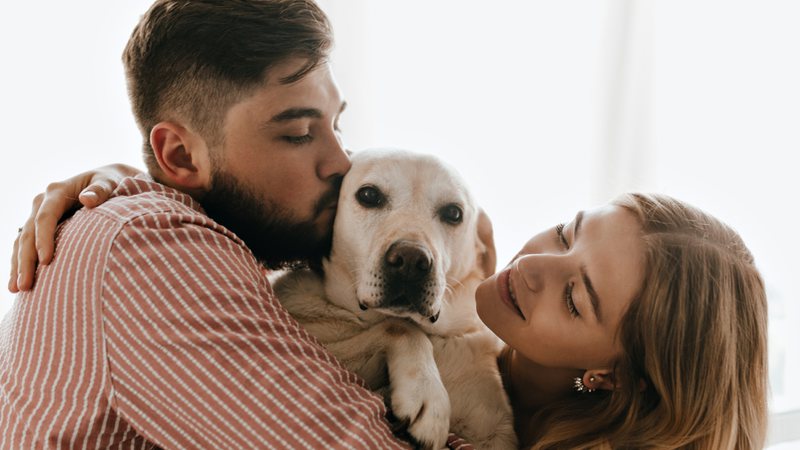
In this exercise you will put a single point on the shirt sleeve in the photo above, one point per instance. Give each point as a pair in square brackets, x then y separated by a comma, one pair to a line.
[201, 355]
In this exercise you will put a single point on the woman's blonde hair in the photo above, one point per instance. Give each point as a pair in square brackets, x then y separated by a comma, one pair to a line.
[693, 373]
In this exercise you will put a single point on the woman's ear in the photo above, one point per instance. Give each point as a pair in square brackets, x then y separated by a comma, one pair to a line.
[599, 379]
[182, 156]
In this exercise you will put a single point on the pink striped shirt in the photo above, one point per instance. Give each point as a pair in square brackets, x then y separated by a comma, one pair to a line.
[154, 326]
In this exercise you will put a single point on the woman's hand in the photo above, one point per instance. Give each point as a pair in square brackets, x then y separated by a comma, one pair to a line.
[36, 240]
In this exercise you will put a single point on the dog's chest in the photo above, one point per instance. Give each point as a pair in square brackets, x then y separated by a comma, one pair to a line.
[350, 339]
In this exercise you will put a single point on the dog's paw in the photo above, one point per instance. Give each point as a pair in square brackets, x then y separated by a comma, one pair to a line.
[424, 405]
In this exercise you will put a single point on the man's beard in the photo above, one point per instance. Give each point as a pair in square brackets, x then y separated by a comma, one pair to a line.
[277, 239]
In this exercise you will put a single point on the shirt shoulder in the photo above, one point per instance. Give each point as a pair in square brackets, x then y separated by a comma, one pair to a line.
[140, 196]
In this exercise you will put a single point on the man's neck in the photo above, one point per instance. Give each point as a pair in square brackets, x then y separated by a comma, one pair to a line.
[159, 177]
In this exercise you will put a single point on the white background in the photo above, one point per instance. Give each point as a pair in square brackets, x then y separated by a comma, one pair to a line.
[545, 107]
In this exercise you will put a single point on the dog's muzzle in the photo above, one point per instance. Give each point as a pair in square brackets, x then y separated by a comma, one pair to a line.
[408, 269]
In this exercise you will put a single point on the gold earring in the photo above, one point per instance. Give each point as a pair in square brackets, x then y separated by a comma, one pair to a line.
[580, 387]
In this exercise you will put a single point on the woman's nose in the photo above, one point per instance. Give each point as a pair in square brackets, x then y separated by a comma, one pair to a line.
[537, 269]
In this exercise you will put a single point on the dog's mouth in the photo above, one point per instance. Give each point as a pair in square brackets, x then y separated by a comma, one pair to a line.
[423, 313]
[405, 281]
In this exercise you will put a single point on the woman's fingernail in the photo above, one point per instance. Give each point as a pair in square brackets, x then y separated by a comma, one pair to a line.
[89, 195]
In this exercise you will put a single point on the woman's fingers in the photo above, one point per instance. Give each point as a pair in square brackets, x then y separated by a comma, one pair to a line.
[102, 183]
[97, 193]
[58, 200]
[35, 244]
[12, 278]
[23, 267]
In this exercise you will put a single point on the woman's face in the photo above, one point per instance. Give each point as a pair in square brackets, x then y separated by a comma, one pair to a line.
[560, 301]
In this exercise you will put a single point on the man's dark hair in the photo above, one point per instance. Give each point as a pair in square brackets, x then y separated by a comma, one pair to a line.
[193, 59]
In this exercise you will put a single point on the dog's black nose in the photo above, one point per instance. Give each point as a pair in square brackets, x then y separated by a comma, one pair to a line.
[408, 261]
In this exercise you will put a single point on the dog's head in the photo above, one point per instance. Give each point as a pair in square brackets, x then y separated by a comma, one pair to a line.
[408, 241]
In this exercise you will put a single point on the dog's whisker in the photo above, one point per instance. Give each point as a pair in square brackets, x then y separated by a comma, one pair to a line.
[453, 283]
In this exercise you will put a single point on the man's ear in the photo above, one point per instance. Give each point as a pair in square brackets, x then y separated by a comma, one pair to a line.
[182, 155]
[599, 379]
[487, 254]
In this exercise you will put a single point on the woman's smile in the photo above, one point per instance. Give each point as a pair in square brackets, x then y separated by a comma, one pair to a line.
[506, 291]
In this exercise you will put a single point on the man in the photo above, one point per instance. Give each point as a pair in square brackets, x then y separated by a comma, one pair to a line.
[154, 325]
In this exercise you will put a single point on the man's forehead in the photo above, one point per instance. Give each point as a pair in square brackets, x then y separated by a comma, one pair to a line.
[316, 89]
[274, 105]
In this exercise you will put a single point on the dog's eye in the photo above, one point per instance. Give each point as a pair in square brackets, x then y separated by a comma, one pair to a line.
[370, 197]
[451, 214]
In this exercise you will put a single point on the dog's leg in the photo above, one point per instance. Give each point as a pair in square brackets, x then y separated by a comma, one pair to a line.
[481, 411]
[417, 393]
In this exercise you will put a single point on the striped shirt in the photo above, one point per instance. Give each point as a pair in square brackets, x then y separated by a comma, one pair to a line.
[154, 326]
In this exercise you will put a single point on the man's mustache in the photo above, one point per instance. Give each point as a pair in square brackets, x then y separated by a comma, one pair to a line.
[330, 198]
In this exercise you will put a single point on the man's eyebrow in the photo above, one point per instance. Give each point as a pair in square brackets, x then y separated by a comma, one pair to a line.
[295, 113]
[593, 297]
[299, 113]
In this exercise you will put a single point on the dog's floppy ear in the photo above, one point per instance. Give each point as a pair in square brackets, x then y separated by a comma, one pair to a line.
[487, 254]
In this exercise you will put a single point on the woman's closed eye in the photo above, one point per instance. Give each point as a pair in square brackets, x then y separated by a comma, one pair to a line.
[568, 299]
[570, 302]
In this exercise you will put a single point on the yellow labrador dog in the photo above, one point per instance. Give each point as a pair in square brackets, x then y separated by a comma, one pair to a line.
[396, 301]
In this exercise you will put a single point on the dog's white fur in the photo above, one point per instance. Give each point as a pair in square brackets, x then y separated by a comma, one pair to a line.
[431, 357]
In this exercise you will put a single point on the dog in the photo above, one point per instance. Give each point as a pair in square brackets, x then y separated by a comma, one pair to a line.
[395, 300]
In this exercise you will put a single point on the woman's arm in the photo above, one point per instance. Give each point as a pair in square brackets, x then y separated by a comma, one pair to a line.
[35, 241]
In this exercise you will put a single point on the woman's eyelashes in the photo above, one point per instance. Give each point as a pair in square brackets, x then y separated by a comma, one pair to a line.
[560, 235]
[570, 301]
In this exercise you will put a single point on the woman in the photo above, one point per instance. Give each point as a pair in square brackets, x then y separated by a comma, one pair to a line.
[638, 325]
[653, 311]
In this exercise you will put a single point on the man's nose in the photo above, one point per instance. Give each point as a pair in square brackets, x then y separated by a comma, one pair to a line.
[336, 161]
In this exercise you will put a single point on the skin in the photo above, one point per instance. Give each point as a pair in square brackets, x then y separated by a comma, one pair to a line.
[549, 345]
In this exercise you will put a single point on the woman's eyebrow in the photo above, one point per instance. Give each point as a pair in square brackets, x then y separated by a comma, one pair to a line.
[593, 297]
[578, 221]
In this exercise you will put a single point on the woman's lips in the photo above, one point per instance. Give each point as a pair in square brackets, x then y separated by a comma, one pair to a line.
[504, 289]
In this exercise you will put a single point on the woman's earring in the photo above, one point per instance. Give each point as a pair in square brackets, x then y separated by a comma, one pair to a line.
[580, 387]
